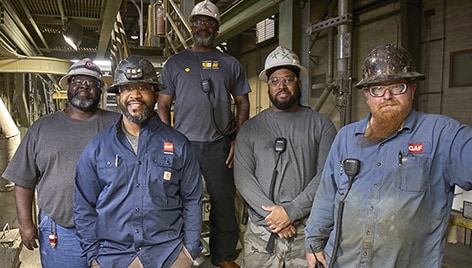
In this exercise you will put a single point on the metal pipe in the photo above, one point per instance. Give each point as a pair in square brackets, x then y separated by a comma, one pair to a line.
[9, 141]
[140, 13]
[343, 66]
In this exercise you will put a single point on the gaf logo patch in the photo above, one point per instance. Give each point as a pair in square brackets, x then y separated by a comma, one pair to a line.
[415, 148]
[168, 147]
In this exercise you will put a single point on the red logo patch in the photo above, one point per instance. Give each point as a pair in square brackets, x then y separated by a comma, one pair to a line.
[168, 147]
[415, 148]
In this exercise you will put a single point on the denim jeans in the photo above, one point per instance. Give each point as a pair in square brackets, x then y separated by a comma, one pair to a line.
[66, 253]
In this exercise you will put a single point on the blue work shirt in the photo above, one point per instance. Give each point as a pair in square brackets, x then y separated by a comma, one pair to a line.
[146, 205]
[397, 210]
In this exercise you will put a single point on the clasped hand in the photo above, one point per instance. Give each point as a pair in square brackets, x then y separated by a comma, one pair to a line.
[279, 222]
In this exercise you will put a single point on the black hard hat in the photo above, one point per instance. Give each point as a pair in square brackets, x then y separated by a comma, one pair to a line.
[133, 70]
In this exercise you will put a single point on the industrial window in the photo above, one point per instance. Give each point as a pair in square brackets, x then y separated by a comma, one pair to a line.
[461, 64]
[265, 30]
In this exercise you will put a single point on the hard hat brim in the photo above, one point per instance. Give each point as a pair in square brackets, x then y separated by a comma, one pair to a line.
[115, 87]
[263, 73]
[411, 76]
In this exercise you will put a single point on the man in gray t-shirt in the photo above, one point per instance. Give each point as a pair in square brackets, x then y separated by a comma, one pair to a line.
[203, 81]
[45, 161]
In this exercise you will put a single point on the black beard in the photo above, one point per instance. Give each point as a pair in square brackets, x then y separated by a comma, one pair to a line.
[86, 105]
[136, 119]
[285, 105]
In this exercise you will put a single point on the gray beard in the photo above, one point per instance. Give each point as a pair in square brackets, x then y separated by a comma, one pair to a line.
[136, 119]
[83, 104]
[203, 41]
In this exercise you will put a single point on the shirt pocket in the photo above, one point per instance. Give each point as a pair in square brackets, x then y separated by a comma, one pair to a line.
[111, 172]
[413, 173]
[164, 180]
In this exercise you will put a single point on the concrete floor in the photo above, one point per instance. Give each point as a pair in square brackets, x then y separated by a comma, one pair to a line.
[456, 256]
[30, 259]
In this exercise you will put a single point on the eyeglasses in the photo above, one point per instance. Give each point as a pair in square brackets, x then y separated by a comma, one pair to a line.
[288, 80]
[201, 22]
[89, 82]
[395, 89]
[142, 89]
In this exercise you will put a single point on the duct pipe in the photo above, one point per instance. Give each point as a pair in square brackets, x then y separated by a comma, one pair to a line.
[343, 66]
[9, 141]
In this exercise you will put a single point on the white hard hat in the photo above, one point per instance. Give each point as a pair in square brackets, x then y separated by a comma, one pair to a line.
[281, 56]
[206, 8]
[82, 67]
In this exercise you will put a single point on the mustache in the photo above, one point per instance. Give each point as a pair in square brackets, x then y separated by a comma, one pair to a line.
[81, 91]
[392, 102]
[134, 101]
[283, 90]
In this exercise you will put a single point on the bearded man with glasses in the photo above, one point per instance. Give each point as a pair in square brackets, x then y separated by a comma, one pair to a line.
[45, 162]
[409, 163]
[291, 141]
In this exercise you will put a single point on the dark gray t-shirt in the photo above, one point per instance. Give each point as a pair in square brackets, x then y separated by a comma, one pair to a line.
[183, 74]
[47, 158]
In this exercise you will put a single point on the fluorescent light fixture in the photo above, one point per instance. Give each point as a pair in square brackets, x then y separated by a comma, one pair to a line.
[73, 34]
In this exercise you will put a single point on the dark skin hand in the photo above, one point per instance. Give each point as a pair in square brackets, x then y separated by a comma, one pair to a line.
[24, 203]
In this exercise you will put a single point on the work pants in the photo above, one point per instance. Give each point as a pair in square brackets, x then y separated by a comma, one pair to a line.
[287, 252]
[67, 251]
[219, 180]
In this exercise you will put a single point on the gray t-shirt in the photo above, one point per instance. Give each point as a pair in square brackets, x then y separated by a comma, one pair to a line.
[183, 74]
[47, 158]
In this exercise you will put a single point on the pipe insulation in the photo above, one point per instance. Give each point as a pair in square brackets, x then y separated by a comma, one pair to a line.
[9, 141]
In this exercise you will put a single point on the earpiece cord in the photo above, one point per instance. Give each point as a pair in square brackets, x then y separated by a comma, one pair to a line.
[339, 225]
[229, 128]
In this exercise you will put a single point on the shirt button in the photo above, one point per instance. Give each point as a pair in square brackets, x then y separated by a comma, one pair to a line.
[136, 230]
[139, 248]
[138, 184]
[137, 209]
[367, 233]
[139, 163]
[371, 207]
[379, 164]
[376, 185]
[364, 253]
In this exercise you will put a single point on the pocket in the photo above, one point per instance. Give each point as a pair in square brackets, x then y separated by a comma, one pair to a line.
[413, 174]
[187, 254]
[164, 182]
[43, 221]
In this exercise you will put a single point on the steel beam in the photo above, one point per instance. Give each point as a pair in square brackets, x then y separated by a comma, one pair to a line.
[42, 65]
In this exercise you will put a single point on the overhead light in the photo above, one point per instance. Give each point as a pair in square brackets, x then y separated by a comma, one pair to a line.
[73, 34]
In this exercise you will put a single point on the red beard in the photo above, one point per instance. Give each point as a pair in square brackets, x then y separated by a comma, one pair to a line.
[386, 122]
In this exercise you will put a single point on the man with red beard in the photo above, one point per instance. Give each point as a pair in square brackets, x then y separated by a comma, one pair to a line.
[45, 161]
[202, 83]
[387, 187]
[291, 141]
[138, 195]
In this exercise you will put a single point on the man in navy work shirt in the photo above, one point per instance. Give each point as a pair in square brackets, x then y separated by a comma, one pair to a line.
[392, 176]
[138, 184]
